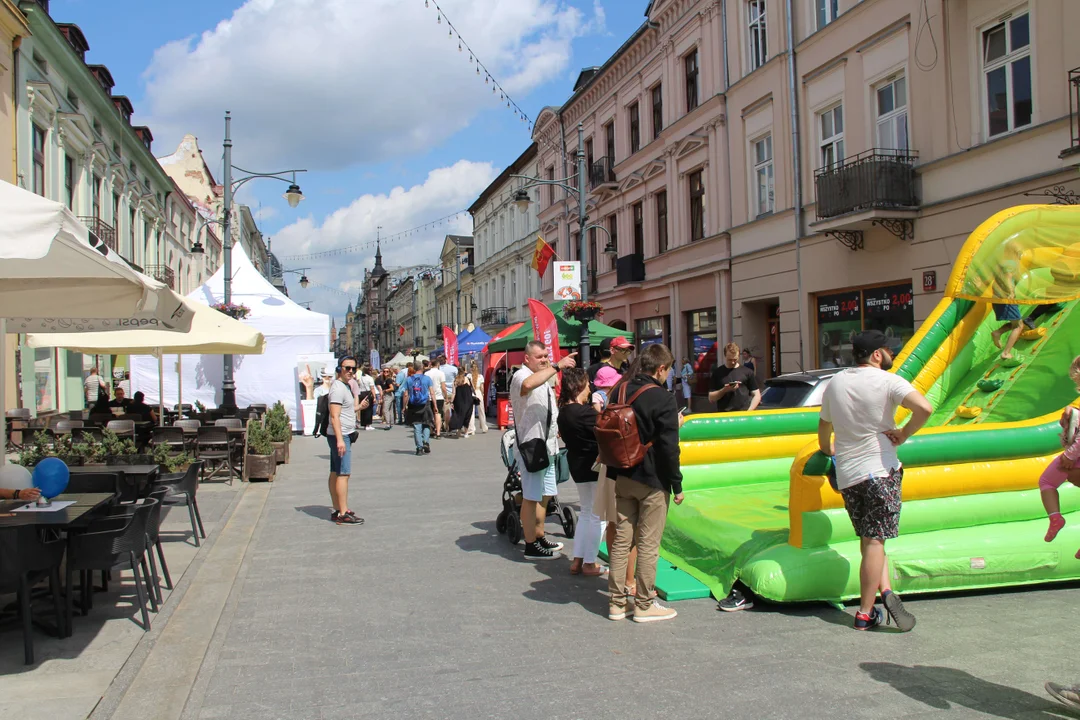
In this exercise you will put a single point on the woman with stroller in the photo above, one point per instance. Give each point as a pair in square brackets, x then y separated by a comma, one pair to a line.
[577, 423]
[463, 405]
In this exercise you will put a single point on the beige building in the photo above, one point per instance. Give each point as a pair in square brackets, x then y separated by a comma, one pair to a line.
[13, 28]
[454, 293]
[915, 122]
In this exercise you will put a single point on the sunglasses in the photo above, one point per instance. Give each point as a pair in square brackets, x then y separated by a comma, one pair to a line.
[348, 368]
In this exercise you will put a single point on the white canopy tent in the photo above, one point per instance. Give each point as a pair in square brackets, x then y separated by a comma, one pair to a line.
[289, 329]
[401, 360]
[211, 332]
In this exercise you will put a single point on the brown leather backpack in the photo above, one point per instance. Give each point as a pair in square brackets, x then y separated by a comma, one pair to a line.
[617, 433]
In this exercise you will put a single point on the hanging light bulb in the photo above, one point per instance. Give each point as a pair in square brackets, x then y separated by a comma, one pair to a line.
[477, 69]
[459, 45]
[486, 79]
[438, 19]
[449, 33]
[492, 89]
[426, 3]
[470, 58]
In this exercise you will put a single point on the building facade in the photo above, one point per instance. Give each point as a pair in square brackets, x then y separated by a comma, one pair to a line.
[728, 221]
[454, 295]
[504, 239]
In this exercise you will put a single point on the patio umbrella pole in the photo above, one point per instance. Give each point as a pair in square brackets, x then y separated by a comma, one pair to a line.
[3, 390]
[160, 386]
[179, 385]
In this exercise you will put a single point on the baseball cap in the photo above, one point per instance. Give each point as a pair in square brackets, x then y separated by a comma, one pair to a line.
[618, 343]
[606, 377]
[866, 342]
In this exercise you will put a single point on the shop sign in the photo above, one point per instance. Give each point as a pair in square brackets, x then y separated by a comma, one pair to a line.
[887, 300]
[567, 280]
[840, 307]
[929, 280]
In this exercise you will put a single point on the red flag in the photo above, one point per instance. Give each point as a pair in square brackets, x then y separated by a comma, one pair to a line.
[400, 330]
[449, 345]
[542, 256]
[545, 329]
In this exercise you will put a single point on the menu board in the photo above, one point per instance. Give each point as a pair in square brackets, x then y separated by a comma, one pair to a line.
[888, 300]
[839, 307]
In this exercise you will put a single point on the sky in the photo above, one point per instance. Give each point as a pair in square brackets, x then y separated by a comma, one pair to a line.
[371, 97]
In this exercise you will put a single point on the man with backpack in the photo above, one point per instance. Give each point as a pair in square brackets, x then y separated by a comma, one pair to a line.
[638, 439]
[341, 433]
[420, 410]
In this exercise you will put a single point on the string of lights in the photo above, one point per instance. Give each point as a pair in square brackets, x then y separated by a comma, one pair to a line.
[369, 244]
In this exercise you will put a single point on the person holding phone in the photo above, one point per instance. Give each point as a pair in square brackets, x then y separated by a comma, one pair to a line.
[734, 387]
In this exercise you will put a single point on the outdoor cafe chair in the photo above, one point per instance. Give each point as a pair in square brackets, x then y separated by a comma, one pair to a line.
[183, 488]
[212, 444]
[66, 426]
[171, 437]
[231, 423]
[106, 544]
[122, 428]
[153, 542]
[18, 414]
[28, 559]
[100, 419]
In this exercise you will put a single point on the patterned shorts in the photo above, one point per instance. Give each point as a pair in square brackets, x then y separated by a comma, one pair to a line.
[874, 506]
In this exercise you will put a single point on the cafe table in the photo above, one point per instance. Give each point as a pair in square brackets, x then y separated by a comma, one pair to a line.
[78, 515]
[138, 477]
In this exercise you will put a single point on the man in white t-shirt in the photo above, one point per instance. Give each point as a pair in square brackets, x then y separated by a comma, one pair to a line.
[438, 382]
[535, 418]
[450, 373]
[859, 406]
[93, 384]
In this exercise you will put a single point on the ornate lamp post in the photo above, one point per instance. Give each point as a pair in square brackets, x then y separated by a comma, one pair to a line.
[522, 200]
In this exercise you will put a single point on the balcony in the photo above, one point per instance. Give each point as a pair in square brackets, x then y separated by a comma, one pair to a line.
[602, 174]
[630, 269]
[163, 274]
[876, 187]
[494, 316]
[102, 230]
[1071, 154]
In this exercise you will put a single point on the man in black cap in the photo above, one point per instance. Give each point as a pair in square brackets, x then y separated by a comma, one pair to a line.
[859, 406]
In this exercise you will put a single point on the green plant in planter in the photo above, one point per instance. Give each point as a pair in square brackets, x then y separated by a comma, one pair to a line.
[277, 423]
[113, 446]
[35, 451]
[258, 438]
[169, 462]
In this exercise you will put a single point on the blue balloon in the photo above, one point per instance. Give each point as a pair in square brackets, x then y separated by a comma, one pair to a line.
[51, 477]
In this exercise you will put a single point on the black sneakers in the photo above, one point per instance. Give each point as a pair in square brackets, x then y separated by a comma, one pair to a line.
[536, 551]
[427, 448]
[904, 620]
[348, 518]
[553, 546]
[735, 601]
[419, 451]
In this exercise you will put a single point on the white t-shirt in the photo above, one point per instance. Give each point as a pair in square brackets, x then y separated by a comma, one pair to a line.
[450, 373]
[437, 379]
[861, 404]
[341, 394]
[92, 385]
[365, 383]
[531, 411]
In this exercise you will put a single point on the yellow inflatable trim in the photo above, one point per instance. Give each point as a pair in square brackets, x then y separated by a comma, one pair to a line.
[708, 452]
[968, 412]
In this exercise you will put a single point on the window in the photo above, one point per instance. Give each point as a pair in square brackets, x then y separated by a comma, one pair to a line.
[613, 230]
[589, 156]
[131, 234]
[826, 11]
[513, 287]
[635, 129]
[1006, 50]
[831, 124]
[551, 188]
[95, 196]
[892, 115]
[657, 110]
[691, 81]
[609, 136]
[639, 229]
[758, 41]
[763, 175]
[97, 126]
[697, 206]
[69, 182]
[701, 330]
[39, 161]
[116, 210]
[889, 309]
[40, 61]
[661, 222]
[575, 244]
[73, 99]
[650, 331]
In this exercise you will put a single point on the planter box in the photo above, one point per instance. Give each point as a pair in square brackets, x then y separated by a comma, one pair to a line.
[281, 452]
[260, 467]
[130, 460]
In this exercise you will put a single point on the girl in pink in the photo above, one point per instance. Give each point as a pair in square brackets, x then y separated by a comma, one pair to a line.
[1064, 466]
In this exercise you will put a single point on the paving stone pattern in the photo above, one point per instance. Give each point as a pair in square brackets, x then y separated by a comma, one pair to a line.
[426, 612]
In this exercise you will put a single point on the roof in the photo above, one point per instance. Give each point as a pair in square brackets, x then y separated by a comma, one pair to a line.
[513, 168]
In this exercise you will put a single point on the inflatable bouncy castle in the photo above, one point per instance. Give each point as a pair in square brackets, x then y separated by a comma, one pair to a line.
[760, 509]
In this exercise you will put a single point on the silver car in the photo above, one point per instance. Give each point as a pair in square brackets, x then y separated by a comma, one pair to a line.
[795, 390]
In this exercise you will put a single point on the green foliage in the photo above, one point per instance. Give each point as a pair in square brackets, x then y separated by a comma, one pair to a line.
[277, 423]
[36, 450]
[199, 406]
[258, 438]
[64, 447]
[171, 462]
[113, 446]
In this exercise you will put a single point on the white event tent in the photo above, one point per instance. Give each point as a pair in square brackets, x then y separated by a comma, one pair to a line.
[290, 330]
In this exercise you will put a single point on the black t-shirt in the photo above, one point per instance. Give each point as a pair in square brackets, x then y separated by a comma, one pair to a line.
[740, 399]
[595, 368]
[142, 408]
[385, 384]
[576, 427]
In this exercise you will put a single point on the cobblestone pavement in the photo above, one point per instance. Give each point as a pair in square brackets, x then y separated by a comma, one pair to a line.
[426, 612]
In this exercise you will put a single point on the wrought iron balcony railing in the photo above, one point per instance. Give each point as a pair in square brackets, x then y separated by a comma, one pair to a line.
[163, 274]
[495, 316]
[602, 172]
[105, 232]
[877, 179]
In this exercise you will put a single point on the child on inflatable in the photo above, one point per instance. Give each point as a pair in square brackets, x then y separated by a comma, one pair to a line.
[1064, 466]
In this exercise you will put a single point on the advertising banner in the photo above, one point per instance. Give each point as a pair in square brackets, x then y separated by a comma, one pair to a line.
[567, 280]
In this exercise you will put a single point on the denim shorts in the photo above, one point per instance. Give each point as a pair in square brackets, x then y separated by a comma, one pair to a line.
[1005, 313]
[536, 485]
[340, 464]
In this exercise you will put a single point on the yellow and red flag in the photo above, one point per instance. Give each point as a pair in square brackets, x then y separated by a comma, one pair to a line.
[542, 256]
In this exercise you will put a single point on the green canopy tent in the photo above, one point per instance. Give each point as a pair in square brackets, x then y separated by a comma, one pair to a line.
[569, 333]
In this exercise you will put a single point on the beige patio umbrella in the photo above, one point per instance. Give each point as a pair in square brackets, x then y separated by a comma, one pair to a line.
[212, 333]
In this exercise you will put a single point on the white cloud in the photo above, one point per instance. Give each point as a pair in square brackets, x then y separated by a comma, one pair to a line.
[327, 84]
[444, 191]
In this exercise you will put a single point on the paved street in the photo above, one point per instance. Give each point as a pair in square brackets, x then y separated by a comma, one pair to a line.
[425, 611]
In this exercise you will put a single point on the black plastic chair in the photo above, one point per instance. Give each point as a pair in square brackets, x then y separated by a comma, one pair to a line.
[153, 542]
[100, 419]
[106, 544]
[172, 437]
[122, 428]
[213, 445]
[66, 426]
[86, 434]
[25, 560]
[182, 489]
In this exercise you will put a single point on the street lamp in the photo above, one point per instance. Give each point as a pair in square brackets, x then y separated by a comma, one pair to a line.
[302, 272]
[522, 200]
[293, 195]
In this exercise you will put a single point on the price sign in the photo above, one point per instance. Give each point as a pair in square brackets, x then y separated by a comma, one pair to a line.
[888, 300]
[839, 307]
[929, 280]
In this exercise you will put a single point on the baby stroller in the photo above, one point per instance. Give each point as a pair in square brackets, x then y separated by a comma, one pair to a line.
[509, 520]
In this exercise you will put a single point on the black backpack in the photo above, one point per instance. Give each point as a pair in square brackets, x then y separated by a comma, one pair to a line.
[322, 414]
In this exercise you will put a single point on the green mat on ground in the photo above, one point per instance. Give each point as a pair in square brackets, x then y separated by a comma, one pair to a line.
[671, 582]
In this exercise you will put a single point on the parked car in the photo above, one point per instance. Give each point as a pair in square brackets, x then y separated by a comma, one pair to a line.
[795, 390]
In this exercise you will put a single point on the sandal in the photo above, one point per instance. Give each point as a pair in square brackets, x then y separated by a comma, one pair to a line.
[575, 566]
[601, 571]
